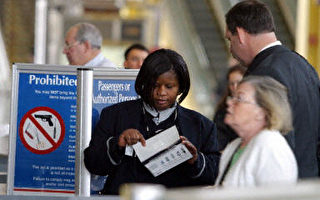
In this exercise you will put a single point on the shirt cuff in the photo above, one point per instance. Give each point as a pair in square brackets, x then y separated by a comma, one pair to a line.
[200, 164]
[196, 170]
[114, 152]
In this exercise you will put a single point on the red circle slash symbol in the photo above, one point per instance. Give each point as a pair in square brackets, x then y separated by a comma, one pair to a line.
[42, 130]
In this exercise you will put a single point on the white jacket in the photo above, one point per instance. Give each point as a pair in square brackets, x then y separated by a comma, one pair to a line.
[267, 159]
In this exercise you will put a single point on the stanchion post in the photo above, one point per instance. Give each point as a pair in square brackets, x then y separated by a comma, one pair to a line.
[83, 129]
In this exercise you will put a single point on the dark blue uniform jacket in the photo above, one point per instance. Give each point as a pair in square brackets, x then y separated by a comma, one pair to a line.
[199, 130]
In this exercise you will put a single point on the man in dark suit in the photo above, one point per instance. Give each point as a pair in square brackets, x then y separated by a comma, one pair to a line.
[251, 32]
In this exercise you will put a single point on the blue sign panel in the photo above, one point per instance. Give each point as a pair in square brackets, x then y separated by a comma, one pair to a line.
[46, 128]
[108, 92]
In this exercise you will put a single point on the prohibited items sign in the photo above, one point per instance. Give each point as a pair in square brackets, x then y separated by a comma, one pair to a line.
[42, 130]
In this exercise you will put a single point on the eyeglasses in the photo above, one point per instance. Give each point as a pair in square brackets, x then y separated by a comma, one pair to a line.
[238, 99]
[68, 46]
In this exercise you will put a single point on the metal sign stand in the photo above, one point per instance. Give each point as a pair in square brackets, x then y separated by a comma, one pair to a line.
[83, 130]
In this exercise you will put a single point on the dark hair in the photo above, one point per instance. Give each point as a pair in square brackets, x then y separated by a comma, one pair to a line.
[236, 68]
[157, 63]
[251, 15]
[134, 46]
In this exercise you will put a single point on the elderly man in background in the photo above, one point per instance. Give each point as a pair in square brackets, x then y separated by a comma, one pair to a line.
[83, 43]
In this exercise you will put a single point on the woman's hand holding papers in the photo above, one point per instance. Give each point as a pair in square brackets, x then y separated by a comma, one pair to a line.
[131, 137]
[192, 149]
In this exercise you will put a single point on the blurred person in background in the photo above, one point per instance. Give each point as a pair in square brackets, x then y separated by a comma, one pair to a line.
[83, 43]
[253, 42]
[134, 56]
[260, 114]
[225, 132]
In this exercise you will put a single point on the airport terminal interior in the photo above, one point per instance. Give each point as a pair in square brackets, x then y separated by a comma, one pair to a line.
[32, 31]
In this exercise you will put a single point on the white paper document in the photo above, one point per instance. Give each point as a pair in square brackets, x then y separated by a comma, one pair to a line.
[162, 151]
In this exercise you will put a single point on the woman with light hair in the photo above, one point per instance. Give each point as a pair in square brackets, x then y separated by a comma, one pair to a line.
[260, 114]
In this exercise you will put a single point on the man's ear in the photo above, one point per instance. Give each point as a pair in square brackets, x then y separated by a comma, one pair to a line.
[125, 63]
[242, 34]
[87, 45]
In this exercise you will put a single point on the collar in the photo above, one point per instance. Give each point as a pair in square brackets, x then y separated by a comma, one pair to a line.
[95, 61]
[262, 55]
[271, 45]
[159, 116]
